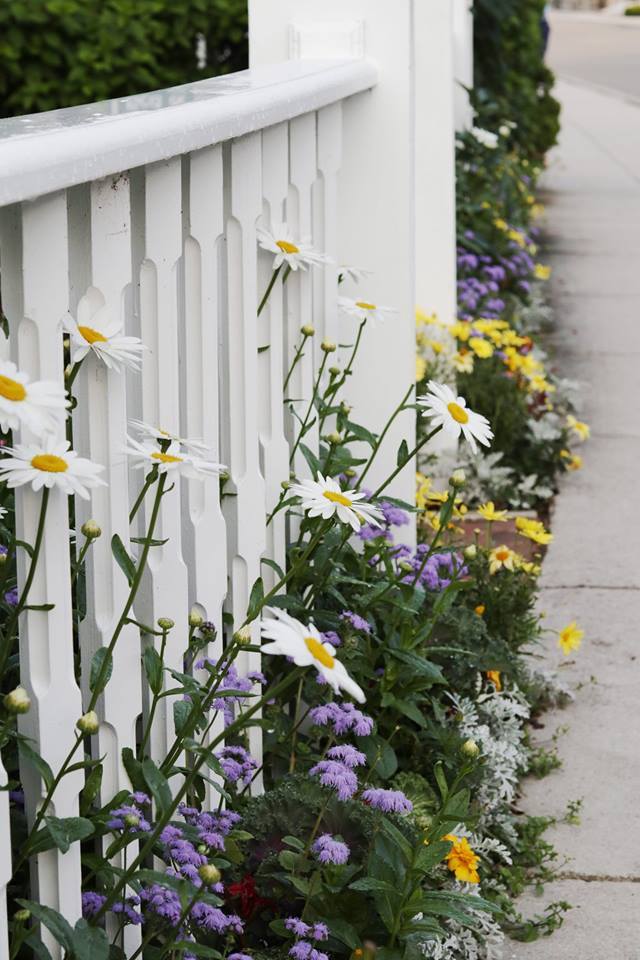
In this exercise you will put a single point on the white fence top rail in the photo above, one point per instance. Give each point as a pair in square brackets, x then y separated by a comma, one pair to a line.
[45, 152]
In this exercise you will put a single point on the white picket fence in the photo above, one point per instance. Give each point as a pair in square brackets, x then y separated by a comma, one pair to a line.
[149, 205]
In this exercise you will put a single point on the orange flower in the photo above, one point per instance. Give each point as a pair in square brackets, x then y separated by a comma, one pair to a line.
[461, 859]
[494, 677]
[480, 609]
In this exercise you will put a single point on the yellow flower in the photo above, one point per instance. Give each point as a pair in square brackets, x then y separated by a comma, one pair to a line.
[570, 638]
[541, 272]
[421, 368]
[517, 238]
[463, 361]
[461, 859]
[537, 210]
[500, 224]
[494, 677]
[429, 319]
[582, 430]
[460, 330]
[479, 609]
[533, 569]
[533, 530]
[572, 461]
[481, 348]
[423, 486]
[489, 512]
[502, 558]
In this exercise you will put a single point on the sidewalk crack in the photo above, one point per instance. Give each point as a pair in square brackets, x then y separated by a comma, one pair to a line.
[595, 877]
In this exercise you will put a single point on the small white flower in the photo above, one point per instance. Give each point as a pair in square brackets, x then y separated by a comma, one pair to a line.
[100, 333]
[305, 646]
[356, 274]
[147, 430]
[323, 497]
[363, 310]
[39, 405]
[3, 513]
[50, 463]
[452, 414]
[296, 253]
[485, 137]
[172, 460]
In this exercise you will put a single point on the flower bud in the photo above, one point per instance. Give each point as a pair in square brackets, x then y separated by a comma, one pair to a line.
[202, 848]
[243, 635]
[285, 484]
[335, 371]
[21, 916]
[209, 873]
[307, 330]
[88, 722]
[4, 555]
[470, 551]
[131, 820]
[345, 409]
[458, 478]
[470, 749]
[90, 530]
[17, 701]
[406, 566]
[327, 346]
[334, 439]
[165, 623]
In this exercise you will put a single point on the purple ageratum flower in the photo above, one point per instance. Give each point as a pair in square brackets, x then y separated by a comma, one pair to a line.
[320, 931]
[348, 755]
[11, 597]
[3, 551]
[239, 956]
[142, 799]
[343, 718]
[329, 850]
[394, 516]
[337, 776]
[128, 909]
[258, 677]
[297, 926]
[330, 636]
[356, 621]
[91, 903]
[130, 819]
[389, 801]
[368, 532]
[236, 763]
[163, 903]
[213, 920]
[303, 950]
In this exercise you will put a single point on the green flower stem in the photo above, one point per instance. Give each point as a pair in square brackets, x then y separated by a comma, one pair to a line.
[187, 783]
[154, 701]
[73, 373]
[333, 388]
[296, 358]
[151, 477]
[405, 461]
[270, 285]
[77, 566]
[7, 633]
[434, 543]
[387, 426]
[307, 415]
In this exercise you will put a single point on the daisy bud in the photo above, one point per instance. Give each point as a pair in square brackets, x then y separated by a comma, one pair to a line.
[470, 749]
[307, 330]
[406, 566]
[327, 346]
[202, 848]
[90, 530]
[17, 701]
[470, 551]
[195, 619]
[21, 916]
[285, 484]
[458, 478]
[209, 873]
[243, 635]
[335, 371]
[88, 722]
[334, 439]
[131, 820]
[165, 623]
[345, 409]
[349, 473]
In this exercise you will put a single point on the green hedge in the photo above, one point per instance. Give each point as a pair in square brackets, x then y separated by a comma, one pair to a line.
[511, 79]
[57, 53]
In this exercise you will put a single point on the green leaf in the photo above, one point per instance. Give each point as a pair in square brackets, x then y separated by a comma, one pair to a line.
[274, 566]
[90, 789]
[89, 943]
[294, 842]
[36, 761]
[432, 854]
[344, 932]
[98, 674]
[149, 542]
[419, 665]
[368, 884]
[380, 755]
[441, 780]
[255, 599]
[53, 921]
[361, 433]
[181, 714]
[153, 669]
[134, 769]
[312, 460]
[67, 830]
[403, 453]
[122, 558]
[157, 783]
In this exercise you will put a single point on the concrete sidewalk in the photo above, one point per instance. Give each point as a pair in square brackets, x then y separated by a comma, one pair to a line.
[592, 570]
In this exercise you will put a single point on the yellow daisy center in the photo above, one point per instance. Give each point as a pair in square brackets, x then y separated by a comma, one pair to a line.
[166, 458]
[287, 247]
[337, 498]
[458, 413]
[502, 555]
[319, 653]
[49, 463]
[11, 389]
[364, 305]
[91, 335]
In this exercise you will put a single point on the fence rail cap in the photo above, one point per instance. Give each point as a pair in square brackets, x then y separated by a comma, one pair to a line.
[42, 153]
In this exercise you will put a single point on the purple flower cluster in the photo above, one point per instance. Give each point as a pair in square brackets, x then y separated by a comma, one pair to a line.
[342, 718]
[389, 801]
[231, 681]
[11, 597]
[356, 621]
[482, 280]
[348, 755]
[329, 850]
[336, 775]
[303, 949]
[393, 517]
[130, 818]
[212, 828]
[330, 636]
[237, 764]
[439, 570]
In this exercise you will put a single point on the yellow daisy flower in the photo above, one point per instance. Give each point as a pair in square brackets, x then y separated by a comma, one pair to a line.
[570, 638]
[541, 272]
[533, 530]
[572, 461]
[488, 512]
[461, 859]
[582, 430]
[481, 348]
[503, 558]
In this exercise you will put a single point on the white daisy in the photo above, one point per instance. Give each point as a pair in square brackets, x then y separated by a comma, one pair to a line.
[485, 137]
[172, 460]
[199, 447]
[323, 497]
[363, 310]
[39, 405]
[356, 274]
[305, 646]
[296, 253]
[452, 414]
[99, 332]
[50, 463]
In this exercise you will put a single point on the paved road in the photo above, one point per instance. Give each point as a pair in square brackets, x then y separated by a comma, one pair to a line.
[607, 55]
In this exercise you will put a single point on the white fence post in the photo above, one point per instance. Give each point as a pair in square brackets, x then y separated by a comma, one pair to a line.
[463, 61]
